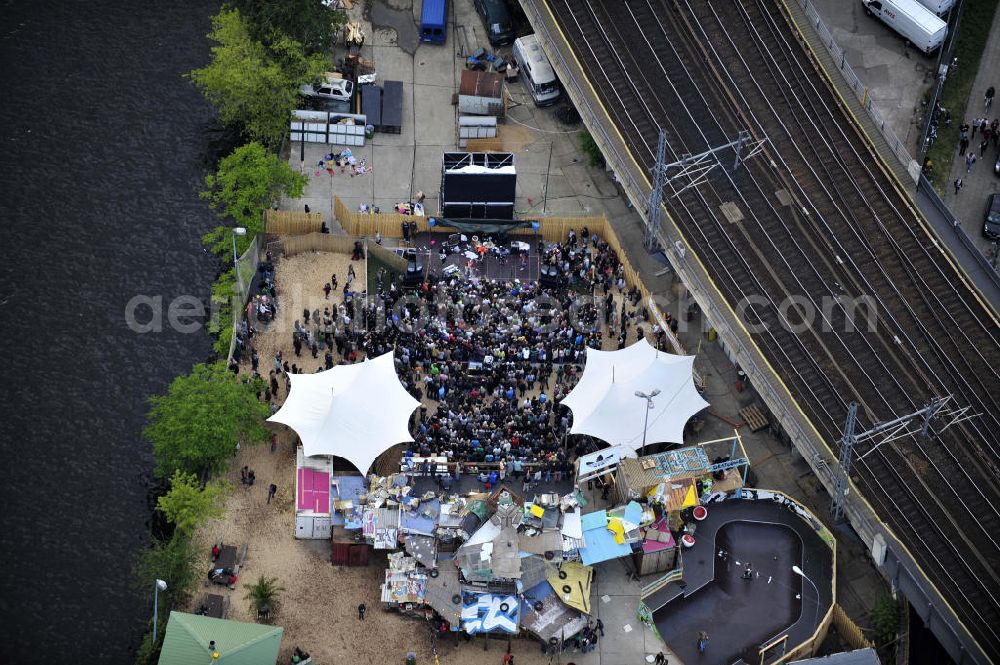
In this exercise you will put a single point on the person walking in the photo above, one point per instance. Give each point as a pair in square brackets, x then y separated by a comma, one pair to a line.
[361, 612]
[661, 659]
[975, 126]
[982, 146]
[958, 185]
[600, 627]
[702, 641]
[970, 159]
[988, 99]
[963, 143]
[271, 491]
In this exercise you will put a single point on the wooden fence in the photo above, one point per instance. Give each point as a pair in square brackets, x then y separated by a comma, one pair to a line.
[849, 630]
[387, 256]
[285, 222]
[316, 242]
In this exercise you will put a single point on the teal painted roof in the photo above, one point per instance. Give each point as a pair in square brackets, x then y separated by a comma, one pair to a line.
[187, 637]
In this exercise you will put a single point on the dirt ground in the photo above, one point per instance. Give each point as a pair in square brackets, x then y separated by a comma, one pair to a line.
[319, 601]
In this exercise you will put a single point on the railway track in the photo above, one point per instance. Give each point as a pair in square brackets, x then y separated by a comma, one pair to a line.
[703, 71]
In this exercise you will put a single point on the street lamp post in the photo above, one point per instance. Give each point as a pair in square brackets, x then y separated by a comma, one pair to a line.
[649, 407]
[798, 571]
[157, 588]
[238, 231]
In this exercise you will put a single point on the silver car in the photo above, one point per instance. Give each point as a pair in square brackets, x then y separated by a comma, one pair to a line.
[331, 88]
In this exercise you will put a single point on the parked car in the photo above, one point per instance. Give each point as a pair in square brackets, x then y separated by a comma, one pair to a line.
[331, 88]
[496, 18]
[991, 225]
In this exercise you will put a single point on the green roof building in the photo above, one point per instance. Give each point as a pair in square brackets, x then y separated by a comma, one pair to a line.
[188, 636]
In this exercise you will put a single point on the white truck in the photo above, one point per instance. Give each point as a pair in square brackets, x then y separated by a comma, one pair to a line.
[917, 24]
[939, 7]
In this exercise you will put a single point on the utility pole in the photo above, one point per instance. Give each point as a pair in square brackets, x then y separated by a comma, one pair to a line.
[696, 167]
[911, 424]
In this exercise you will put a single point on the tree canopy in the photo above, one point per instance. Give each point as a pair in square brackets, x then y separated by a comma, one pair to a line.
[188, 504]
[307, 21]
[248, 180]
[252, 85]
[195, 426]
[176, 562]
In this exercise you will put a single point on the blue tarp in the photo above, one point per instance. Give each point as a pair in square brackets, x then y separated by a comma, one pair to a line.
[350, 487]
[595, 520]
[633, 512]
[600, 543]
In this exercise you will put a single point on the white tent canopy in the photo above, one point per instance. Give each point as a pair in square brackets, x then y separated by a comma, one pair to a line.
[353, 411]
[605, 406]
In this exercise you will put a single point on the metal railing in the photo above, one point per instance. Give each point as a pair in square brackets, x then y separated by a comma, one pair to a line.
[925, 186]
[861, 91]
[944, 56]
[246, 270]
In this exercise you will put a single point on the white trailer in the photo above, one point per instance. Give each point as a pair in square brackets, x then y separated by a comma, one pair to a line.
[939, 7]
[917, 24]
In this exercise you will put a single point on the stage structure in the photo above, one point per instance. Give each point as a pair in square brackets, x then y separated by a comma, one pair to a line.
[478, 185]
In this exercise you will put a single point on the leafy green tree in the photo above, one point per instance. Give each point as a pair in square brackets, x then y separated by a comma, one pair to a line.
[195, 426]
[188, 504]
[251, 85]
[247, 181]
[310, 22]
[175, 561]
[885, 619]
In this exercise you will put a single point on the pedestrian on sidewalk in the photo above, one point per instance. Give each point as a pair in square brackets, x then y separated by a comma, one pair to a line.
[970, 159]
[988, 99]
[958, 185]
[982, 146]
[661, 659]
[963, 143]
[600, 627]
[975, 126]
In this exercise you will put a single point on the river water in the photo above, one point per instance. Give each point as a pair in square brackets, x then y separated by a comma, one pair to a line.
[104, 151]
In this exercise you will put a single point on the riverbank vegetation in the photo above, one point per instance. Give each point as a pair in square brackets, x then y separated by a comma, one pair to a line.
[246, 183]
[264, 49]
[194, 429]
[252, 85]
[195, 426]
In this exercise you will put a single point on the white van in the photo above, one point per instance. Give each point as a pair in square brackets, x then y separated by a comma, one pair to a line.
[912, 20]
[538, 74]
[939, 7]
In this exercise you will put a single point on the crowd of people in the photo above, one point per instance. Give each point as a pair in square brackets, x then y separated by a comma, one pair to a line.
[490, 360]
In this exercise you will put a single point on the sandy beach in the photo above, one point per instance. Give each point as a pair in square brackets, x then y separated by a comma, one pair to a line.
[319, 603]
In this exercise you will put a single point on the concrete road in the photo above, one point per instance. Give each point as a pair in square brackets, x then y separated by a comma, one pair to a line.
[898, 77]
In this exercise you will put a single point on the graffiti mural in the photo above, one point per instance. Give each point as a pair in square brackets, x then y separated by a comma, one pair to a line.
[487, 613]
